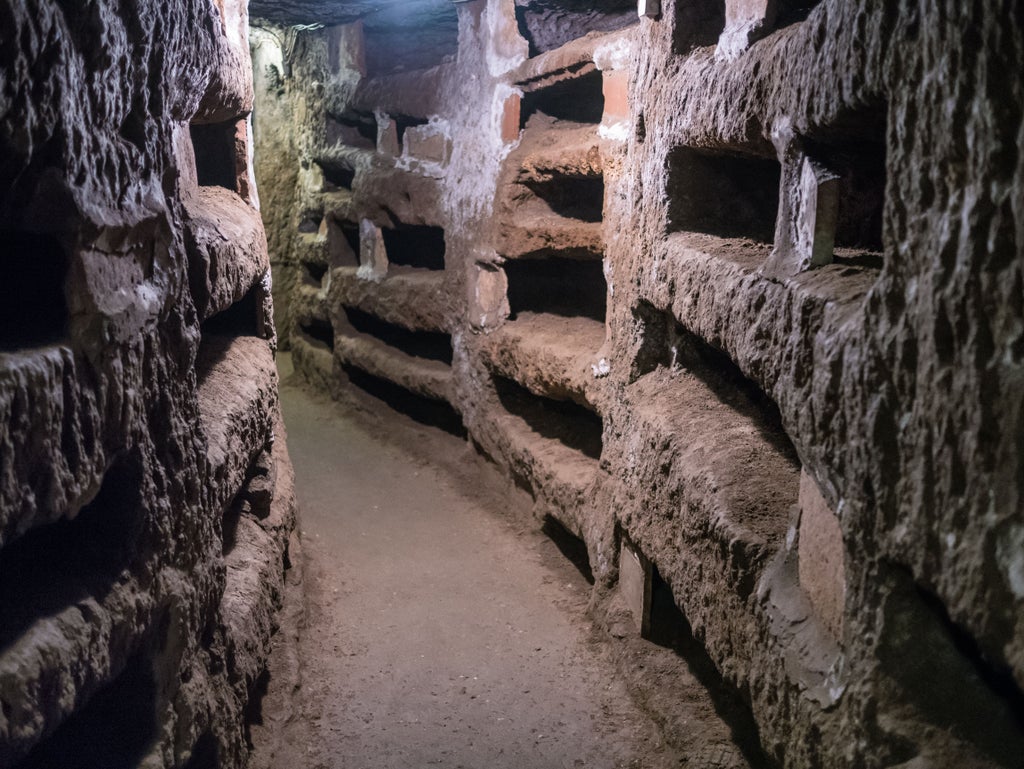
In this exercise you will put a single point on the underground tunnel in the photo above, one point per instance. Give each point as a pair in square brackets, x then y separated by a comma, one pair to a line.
[512, 384]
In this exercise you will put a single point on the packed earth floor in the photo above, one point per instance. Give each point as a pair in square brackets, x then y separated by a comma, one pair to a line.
[440, 627]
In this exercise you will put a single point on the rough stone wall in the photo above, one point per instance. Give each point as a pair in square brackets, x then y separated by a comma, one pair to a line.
[735, 291]
[146, 497]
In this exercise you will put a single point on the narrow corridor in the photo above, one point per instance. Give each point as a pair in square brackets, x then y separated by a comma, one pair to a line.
[438, 631]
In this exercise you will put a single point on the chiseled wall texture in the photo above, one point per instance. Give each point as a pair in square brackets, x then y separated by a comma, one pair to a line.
[738, 284]
[146, 496]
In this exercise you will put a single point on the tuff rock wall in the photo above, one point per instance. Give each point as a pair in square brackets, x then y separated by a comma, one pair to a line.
[146, 498]
[736, 291]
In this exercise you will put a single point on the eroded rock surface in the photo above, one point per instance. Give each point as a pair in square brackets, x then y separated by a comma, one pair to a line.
[689, 259]
[145, 489]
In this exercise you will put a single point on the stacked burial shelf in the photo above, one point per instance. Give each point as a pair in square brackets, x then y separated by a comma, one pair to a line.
[371, 297]
[729, 482]
[551, 243]
[236, 381]
[84, 602]
[328, 236]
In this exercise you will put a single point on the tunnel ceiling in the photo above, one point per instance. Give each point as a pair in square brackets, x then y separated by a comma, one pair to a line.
[375, 13]
[401, 35]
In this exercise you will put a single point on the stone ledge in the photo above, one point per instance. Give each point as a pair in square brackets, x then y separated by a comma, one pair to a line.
[431, 379]
[227, 248]
[237, 401]
[550, 355]
[412, 298]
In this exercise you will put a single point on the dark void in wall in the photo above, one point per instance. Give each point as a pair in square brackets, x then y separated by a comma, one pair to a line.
[567, 287]
[33, 307]
[415, 246]
[430, 345]
[698, 23]
[313, 273]
[115, 730]
[204, 754]
[572, 425]
[549, 24]
[240, 319]
[318, 332]
[670, 344]
[731, 196]
[939, 668]
[794, 11]
[353, 128]
[670, 629]
[579, 100]
[56, 566]
[216, 154]
[337, 177]
[574, 197]
[853, 146]
[404, 123]
[427, 411]
[342, 243]
[571, 546]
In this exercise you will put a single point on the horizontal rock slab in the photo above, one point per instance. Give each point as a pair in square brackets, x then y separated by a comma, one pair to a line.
[237, 406]
[227, 248]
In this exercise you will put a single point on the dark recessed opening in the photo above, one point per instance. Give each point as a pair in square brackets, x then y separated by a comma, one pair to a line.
[205, 754]
[572, 425]
[427, 411]
[254, 499]
[254, 707]
[794, 11]
[698, 23]
[670, 628]
[668, 343]
[115, 730]
[579, 100]
[404, 122]
[313, 273]
[550, 24]
[216, 154]
[939, 668]
[33, 307]
[568, 287]
[997, 678]
[575, 197]
[354, 129]
[58, 565]
[730, 196]
[318, 332]
[342, 244]
[862, 196]
[569, 545]
[229, 524]
[415, 245]
[861, 167]
[309, 226]
[430, 345]
[240, 319]
[337, 178]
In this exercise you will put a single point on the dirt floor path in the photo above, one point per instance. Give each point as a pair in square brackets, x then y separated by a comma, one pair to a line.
[438, 632]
